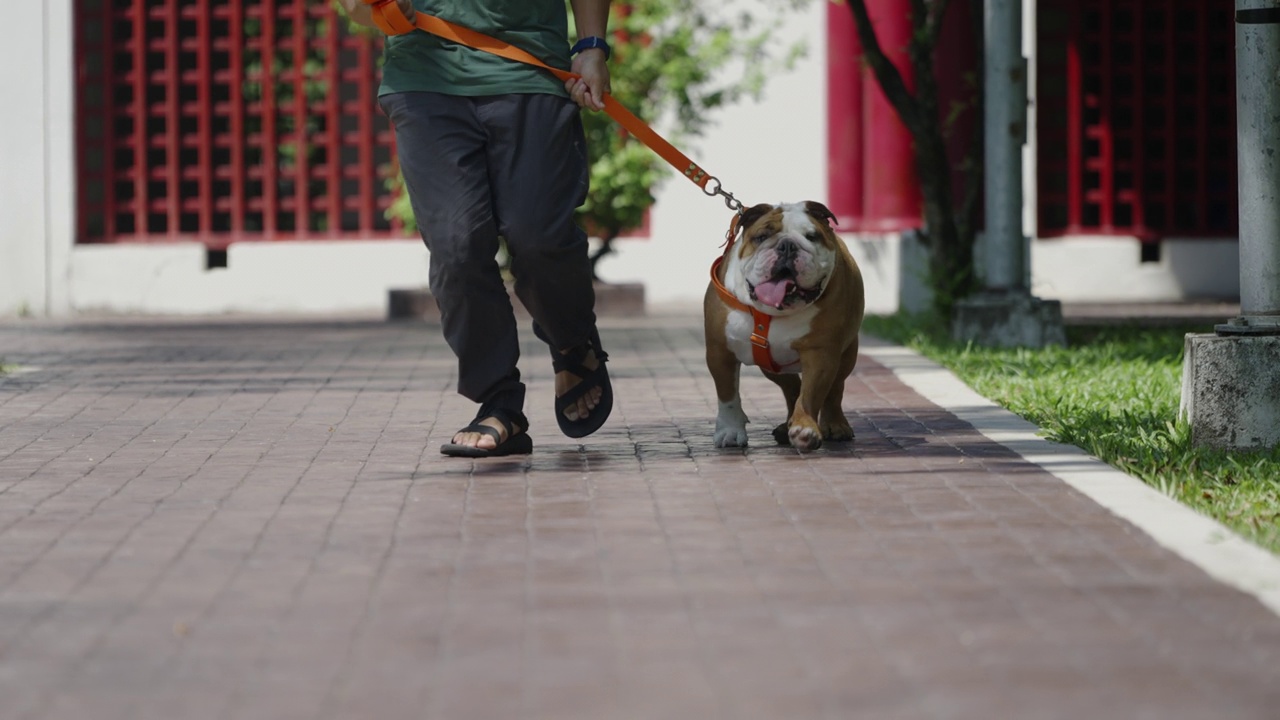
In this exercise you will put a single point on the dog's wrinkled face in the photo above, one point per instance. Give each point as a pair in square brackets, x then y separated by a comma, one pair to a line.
[784, 257]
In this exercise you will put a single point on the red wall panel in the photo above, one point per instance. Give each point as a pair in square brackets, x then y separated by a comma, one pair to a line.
[872, 180]
[223, 121]
[1137, 118]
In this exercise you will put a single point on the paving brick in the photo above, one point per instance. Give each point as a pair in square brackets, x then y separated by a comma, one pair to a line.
[250, 519]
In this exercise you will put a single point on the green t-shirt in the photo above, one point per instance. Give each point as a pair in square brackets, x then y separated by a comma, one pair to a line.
[420, 61]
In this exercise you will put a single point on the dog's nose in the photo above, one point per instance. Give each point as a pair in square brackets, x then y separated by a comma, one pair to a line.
[787, 251]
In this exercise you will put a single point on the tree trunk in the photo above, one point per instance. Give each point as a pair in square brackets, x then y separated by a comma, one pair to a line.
[606, 248]
[949, 239]
[950, 256]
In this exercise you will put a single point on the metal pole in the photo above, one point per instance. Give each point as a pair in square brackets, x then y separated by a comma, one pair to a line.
[1258, 140]
[1005, 314]
[1005, 126]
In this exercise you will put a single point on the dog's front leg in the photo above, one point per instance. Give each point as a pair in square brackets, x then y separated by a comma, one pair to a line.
[731, 419]
[815, 384]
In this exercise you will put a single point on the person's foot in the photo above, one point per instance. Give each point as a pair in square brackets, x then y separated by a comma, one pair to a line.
[495, 432]
[583, 393]
[483, 441]
[566, 381]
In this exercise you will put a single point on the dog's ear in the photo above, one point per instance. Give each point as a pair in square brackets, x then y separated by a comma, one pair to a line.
[752, 214]
[820, 211]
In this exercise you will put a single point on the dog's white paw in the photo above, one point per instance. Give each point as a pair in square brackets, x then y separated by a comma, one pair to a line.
[805, 438]
[731, 437]
[731, 425]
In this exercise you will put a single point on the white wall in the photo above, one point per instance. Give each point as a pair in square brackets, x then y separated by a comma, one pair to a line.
[36, 157]
[772, 150]
[1110, 269]
[260, 277]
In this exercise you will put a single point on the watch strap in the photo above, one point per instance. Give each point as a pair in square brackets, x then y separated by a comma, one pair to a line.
[590, 43]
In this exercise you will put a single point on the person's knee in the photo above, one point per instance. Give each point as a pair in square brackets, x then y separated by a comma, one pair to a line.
[460, 243]
[545, 243]
[462, 269]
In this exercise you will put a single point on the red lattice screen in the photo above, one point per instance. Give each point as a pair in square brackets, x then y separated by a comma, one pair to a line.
[1137, 131]
[227, 120]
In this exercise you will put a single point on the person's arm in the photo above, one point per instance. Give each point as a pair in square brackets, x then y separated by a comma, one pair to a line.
[361, 14]
[591, 18]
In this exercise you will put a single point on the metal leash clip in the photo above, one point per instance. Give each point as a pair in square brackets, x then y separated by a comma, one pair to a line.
[730, 201]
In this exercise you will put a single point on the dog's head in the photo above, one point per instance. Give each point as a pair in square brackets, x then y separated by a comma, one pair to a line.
[785, 255]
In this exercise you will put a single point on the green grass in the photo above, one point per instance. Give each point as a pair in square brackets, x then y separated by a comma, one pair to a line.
[1114, 392]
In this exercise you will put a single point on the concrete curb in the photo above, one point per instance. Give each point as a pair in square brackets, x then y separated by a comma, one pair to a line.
[1202, 541]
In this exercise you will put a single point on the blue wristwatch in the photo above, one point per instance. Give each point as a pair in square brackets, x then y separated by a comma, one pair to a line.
[589, 43]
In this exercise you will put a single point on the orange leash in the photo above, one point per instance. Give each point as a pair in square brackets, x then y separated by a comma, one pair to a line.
[388, 17]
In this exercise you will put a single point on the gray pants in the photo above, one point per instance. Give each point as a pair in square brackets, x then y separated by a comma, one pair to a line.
[477, 168]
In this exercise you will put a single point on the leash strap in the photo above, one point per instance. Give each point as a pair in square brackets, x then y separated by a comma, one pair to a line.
[392, 21]
[389, 18]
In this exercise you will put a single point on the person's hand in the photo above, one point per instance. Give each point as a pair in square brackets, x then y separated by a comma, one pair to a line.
[589, 91]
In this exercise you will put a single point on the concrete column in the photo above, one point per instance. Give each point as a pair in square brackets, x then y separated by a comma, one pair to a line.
[60, 153]
[37, 161]
[1005, 314]
[1231, 379]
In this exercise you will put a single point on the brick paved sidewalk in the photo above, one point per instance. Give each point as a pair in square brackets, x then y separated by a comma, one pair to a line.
[207, 519]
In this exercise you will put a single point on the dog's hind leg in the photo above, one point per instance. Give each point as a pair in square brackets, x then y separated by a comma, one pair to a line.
[790, 385]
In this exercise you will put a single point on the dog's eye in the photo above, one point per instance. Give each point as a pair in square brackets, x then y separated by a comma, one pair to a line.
[759, 238]
[812, 236]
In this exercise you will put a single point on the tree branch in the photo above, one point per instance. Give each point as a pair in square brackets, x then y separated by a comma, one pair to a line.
[891, 82]
[920, 53]
[974, 170]
[919, 12]
[933, 25]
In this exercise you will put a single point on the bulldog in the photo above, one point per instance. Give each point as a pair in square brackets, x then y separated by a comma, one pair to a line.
[787, 297]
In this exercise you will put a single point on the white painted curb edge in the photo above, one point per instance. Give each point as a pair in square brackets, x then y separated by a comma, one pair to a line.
[1207, 544]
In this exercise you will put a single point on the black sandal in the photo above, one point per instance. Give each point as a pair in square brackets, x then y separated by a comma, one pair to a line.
[517, 442]
[572, 362]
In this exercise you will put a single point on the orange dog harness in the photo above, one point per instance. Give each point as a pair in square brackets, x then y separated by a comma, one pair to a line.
[761, 352]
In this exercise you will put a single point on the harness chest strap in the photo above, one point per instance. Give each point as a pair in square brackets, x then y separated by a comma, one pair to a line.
[761, 352]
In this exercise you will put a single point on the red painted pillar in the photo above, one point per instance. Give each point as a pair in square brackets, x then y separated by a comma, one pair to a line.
[844, 117]
[891, 193]
[871, 176]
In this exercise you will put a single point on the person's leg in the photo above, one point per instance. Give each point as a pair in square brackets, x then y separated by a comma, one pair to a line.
[441, 147]
[537, 159]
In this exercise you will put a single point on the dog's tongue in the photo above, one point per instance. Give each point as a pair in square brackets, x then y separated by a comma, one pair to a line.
[773, 292]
